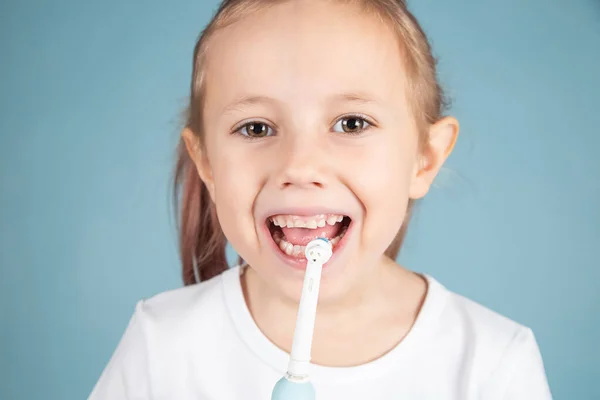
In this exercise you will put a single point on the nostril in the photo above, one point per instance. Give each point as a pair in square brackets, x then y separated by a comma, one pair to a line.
[318, 185]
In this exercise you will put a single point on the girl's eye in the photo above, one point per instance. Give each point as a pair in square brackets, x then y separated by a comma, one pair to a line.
[255, 130]
[352, 124]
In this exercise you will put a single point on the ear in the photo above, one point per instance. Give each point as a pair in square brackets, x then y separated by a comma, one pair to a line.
[442, 137]
[198, 156]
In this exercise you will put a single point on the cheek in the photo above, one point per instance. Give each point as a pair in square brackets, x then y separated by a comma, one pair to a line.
[236, 185]
[381, 179]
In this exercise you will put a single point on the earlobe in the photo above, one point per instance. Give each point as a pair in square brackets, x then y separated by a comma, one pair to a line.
[198, 156]
[442, 138]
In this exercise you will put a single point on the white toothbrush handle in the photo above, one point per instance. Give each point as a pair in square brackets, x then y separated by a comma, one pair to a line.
[305, 322]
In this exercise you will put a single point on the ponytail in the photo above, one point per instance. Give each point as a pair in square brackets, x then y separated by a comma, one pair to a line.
[201, 240]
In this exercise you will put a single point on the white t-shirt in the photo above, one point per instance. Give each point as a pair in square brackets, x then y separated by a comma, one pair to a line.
[200, 342]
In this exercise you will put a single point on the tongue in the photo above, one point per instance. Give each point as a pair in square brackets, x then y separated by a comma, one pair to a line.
[301, 236]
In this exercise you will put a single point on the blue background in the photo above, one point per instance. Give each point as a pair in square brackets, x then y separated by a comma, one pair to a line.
[90, 95]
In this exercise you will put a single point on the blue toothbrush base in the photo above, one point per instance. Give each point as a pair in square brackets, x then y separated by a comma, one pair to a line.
[288, 390]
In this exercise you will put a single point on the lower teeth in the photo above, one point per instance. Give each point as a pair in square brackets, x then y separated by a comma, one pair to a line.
[296, 250]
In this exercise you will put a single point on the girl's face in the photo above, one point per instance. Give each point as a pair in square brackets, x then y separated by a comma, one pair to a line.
[307, 126]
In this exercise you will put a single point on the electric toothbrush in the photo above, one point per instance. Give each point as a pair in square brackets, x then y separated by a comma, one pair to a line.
[296, 385]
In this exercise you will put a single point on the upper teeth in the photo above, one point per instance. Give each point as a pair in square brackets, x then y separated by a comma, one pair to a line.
[312, 222]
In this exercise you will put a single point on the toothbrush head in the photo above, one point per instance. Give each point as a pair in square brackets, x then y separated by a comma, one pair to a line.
[319, 250]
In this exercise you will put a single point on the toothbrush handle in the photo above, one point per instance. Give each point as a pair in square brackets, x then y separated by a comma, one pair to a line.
[288, 390]
[305, 322]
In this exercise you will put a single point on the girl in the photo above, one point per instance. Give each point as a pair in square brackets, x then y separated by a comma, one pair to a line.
[314, 118]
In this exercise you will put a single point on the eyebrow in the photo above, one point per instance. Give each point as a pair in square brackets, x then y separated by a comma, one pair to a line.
[355, 97]
[352, 97]
[248, 101]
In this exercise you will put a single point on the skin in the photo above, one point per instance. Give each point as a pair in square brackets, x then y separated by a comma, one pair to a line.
[310, 66]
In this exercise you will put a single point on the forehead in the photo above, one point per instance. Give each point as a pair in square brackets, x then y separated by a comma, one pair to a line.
[304, 51]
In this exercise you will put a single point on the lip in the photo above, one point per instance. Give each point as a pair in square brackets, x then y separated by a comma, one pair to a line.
[300, 263]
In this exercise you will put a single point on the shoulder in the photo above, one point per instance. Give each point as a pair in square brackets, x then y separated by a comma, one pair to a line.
[462, 316]
[184, 311]
[178, 301]
[483, 321]
[504, 352]
[164, 333]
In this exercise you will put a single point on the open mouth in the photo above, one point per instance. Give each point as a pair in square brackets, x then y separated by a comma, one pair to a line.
[293, 232]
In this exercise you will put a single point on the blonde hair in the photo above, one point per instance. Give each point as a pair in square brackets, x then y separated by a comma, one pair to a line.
[201, 240]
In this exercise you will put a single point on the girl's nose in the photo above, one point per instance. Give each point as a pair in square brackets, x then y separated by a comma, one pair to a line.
[303, 164]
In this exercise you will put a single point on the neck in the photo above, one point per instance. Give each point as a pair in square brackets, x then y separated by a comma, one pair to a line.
[387, 302]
